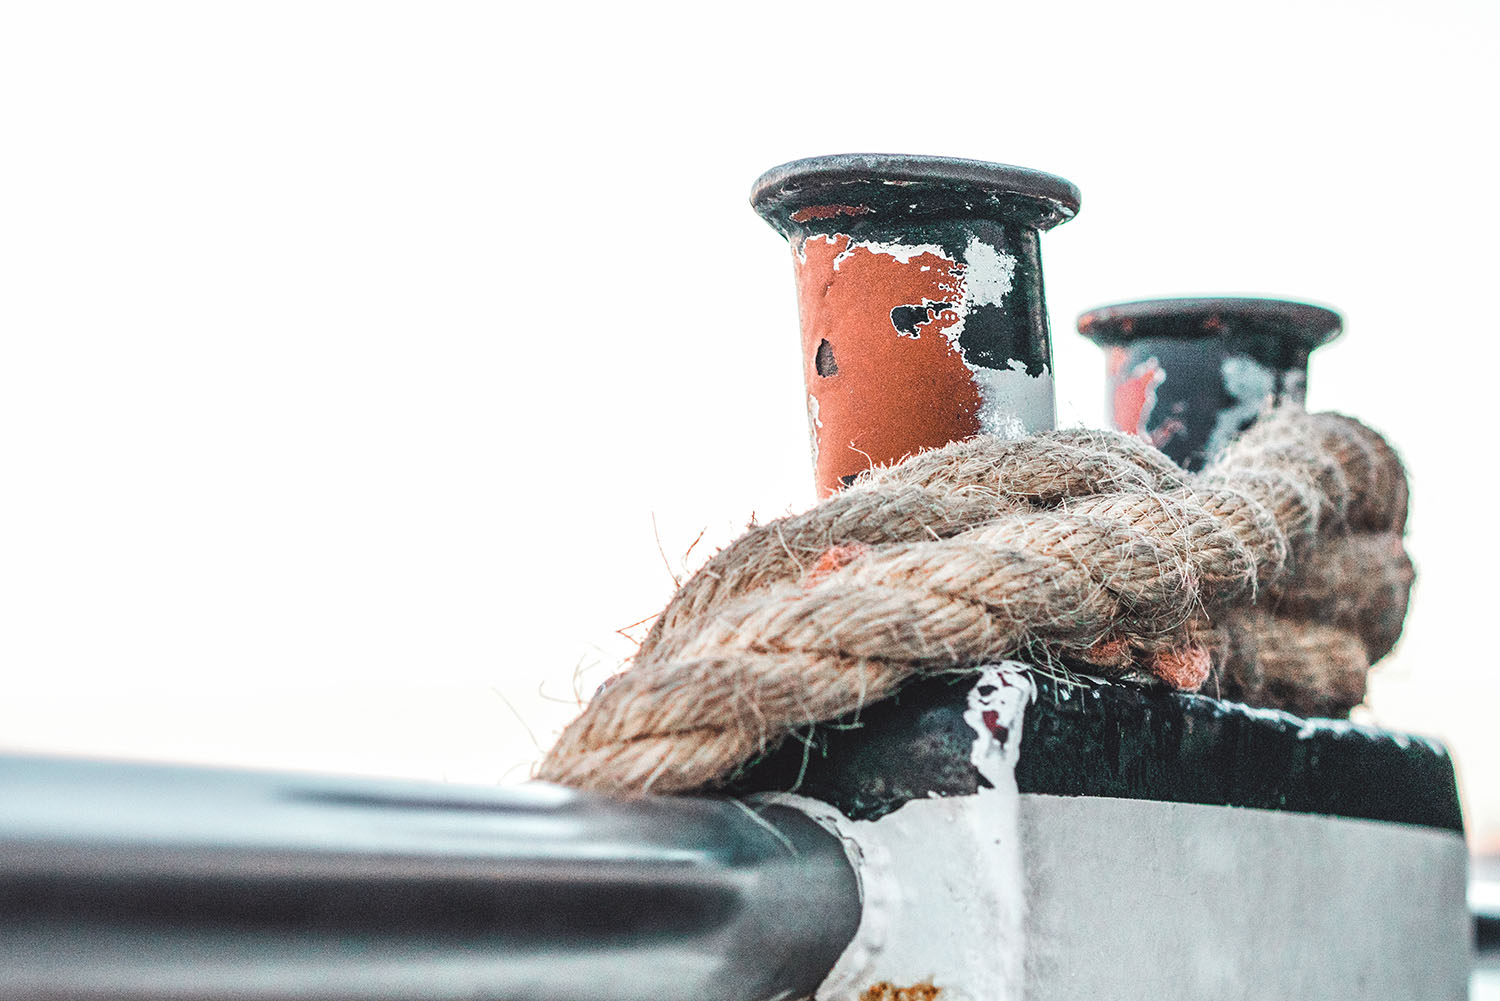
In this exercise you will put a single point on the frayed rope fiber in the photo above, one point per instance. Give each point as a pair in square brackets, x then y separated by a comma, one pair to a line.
[1276, 576]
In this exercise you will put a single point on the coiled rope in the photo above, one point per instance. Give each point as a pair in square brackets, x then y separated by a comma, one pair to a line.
[1276, 576]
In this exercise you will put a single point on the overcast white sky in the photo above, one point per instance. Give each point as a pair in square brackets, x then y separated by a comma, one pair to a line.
[356, 355]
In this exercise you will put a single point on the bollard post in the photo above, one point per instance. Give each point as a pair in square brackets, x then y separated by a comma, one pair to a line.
[919, 290]
[1191, 374]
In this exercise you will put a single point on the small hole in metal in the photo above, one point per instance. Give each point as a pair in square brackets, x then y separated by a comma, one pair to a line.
[823, 360]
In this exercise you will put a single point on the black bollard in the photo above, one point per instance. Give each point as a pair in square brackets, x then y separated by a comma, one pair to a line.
[1191, 374]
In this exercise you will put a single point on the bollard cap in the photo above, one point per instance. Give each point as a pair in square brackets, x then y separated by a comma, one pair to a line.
[1120, 323]
[910, 186]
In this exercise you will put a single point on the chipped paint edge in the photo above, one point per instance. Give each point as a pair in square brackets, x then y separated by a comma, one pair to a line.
[936, 869]
[1013, 402]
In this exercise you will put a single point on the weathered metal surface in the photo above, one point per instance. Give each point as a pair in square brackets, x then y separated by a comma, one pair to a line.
[1170, 846]
[941, 880]
[137, 881]
[919, 285]
[1191, 374]
[1134, 900]
[1118, 741]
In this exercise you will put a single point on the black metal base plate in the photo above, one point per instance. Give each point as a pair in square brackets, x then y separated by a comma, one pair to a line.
[1119, 741]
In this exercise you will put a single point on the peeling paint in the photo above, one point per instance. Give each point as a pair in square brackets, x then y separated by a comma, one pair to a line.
[1223, 360]
[901, 253]
[895, 395]
[814, 425]
[1252, 386]
[891, 251]
[1015, 402]
[997, 705]
[828, 212]
[990, 273]
[936, 871]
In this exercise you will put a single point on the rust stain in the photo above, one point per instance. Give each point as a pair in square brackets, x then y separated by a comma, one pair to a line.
[892, 391]
[1185, 669]
[886, 991]
[829, 212]
[834, 558]
[1111, 651]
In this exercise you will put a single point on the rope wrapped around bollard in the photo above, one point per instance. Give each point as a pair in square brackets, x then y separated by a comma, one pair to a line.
[1087, 547]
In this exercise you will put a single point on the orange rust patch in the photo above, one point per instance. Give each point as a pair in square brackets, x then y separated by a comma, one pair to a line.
[885, 991]
[834, 558]
[890, 394]
[1185, 668]
[1108, 652]
[829, 212]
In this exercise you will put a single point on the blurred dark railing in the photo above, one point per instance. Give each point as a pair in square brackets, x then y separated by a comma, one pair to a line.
[147, 881]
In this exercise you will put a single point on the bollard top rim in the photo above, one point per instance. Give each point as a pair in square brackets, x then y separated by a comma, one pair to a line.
[1038, 198]
[1186, 318]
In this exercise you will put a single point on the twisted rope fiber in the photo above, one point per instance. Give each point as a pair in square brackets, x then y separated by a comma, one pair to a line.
[1088, 545]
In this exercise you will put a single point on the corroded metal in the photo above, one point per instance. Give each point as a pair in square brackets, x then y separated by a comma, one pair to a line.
[919, 285]
[1191, 374]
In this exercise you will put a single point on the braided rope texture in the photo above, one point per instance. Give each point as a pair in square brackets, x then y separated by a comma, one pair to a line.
[1276, 577]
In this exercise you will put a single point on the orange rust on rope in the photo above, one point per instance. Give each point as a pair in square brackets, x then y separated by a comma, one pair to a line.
[1184, 668]
[835, 558]
[887, 991]
[1111, 651]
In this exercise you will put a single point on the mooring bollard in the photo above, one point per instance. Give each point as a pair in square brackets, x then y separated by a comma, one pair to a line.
[1191, 374]
[919, 288]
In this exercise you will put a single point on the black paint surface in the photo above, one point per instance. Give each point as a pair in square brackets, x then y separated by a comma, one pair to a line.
[1118, 741]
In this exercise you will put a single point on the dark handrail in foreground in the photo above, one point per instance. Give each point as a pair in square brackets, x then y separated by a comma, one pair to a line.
[135, 881]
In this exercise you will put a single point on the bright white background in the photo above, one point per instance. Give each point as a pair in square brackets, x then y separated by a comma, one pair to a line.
[356, 355]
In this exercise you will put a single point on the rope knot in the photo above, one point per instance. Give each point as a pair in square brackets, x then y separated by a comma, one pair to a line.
[1082, 545]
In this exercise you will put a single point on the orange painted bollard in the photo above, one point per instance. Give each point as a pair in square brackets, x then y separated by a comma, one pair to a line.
[919, 290]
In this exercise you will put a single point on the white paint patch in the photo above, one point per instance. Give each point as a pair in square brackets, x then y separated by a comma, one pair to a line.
[997, 708]
[1013, 403]
[989, 275]
[1253, 387]
[940, 878]
[813, 423]
[901, 252]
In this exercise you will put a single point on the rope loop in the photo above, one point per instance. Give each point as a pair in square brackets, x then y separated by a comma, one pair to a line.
[1276, 576]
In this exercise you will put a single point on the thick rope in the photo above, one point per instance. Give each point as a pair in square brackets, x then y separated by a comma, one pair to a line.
[933, 495]
[1281, 663]
[1087, 545]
